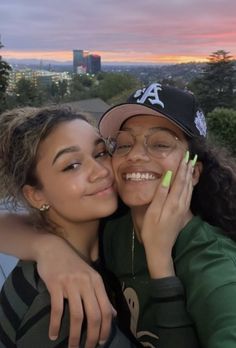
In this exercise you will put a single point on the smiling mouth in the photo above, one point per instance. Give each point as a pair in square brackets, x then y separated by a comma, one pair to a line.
[103, 190]
[140, 176]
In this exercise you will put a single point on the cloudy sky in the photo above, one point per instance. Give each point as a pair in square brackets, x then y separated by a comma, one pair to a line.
[119, 30]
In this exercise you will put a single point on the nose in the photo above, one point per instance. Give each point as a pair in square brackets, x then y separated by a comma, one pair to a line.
[138, 153]
[98, 170]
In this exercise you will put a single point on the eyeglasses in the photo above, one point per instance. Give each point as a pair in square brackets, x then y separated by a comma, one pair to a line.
[159, 144]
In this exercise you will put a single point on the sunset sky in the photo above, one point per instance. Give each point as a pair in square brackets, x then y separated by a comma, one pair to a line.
[155, 31]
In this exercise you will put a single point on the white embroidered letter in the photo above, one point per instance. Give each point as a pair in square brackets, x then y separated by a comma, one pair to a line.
[151, 93]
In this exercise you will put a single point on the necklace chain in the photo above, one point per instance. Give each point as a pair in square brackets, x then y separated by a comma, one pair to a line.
[132, 253]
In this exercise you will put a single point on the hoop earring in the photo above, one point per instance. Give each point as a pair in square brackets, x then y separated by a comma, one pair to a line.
[44, 207]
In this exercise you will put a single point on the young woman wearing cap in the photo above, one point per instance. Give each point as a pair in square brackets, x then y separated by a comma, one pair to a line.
[147, 134]
[203, 254]
[53, 161]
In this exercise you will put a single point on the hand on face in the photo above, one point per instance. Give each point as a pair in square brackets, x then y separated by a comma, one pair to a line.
[165, 217]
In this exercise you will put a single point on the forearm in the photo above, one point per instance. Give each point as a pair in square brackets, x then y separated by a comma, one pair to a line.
[170, 315]
[18, 237]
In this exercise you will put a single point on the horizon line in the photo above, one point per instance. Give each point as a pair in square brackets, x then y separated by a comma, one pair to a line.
[111, 57]
[106, 57]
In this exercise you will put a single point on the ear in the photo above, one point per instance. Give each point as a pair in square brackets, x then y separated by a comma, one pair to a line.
[197, 172]
[34, 196]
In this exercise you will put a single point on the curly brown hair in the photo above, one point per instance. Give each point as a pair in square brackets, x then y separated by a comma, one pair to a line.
[214, 197]
[22, 130]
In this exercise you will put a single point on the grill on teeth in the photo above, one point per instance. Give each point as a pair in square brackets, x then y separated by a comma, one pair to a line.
[139, 176]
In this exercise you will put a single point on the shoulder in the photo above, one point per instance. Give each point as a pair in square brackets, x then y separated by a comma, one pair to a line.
[198, 235]
[204, 257]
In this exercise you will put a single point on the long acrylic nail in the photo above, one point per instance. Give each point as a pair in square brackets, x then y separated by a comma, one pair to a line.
[186, 157]
[194, 160]
[167, 179]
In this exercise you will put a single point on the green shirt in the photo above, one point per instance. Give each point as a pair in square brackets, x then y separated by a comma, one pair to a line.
[205, 261]
[158, 314]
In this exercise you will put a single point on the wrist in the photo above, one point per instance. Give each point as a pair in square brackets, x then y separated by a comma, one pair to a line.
[44, 244]
[160, 265]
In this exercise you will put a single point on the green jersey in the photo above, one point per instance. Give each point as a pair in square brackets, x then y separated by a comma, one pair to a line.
[205, 261]
[158, 316]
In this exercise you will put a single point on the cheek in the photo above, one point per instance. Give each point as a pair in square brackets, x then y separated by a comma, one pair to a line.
[115, 162]
[109, 166]
[63, 191]
[172, 162]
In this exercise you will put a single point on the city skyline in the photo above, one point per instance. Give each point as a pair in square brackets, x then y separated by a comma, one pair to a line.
[138, 31]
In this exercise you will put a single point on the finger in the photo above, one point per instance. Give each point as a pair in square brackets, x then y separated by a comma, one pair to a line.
[76, 317]
[179, 183]
[186, 195]
[57, 307]
[175, 201]
[190, 184]
[158, 200]
[178, 199]
[94, 318]
[107, 312]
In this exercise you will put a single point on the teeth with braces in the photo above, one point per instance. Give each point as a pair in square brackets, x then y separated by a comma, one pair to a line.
[139, 176]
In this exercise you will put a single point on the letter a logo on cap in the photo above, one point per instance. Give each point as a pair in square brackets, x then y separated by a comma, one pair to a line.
[150, 93]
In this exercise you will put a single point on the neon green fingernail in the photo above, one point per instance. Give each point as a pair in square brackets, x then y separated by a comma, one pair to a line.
[167, 179]
[186, 157]
[194, 160]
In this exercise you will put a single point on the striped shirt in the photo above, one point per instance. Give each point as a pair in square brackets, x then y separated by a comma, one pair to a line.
[25, 311]
[25, 314]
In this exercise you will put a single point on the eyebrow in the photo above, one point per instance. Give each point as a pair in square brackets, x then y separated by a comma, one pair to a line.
[153, 129]
[69, 149]
[72, 149]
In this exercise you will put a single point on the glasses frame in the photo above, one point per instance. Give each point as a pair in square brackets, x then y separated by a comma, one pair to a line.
[111, 142]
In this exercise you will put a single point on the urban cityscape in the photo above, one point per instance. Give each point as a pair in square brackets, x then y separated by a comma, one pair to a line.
[83, 63]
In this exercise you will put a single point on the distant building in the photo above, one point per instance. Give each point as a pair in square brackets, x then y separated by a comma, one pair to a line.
[78, 60]
[94, 64]
[86, 63]
[41, 78]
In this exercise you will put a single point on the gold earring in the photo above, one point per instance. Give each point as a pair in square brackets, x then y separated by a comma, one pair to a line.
[44, 207]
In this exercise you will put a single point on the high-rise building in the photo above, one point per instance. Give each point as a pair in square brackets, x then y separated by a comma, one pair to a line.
[94, 64]
[78, 60]
[84, 62]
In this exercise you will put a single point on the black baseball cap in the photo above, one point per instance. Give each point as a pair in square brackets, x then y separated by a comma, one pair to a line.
[178, 106]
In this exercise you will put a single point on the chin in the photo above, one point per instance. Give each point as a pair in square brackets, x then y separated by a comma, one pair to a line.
[136, 200]
[109, 210]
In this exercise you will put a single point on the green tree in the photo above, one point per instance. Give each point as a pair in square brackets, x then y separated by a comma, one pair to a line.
[27, 93]
[62, 88]
[221, 125]
[78, 88]
[113, 85]
[215, 87]
[4, 76]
